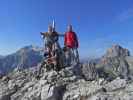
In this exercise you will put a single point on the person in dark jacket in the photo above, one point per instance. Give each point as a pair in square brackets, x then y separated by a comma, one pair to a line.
[50, 39]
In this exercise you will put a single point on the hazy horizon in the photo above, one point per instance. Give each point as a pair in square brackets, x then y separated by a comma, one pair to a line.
[81, 56]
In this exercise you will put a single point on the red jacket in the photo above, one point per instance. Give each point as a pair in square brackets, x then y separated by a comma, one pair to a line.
[71, 40]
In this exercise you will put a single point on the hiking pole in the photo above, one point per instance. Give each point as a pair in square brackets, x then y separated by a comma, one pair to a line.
[53, 25]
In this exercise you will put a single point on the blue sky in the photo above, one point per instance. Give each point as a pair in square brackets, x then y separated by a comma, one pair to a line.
[98, 23]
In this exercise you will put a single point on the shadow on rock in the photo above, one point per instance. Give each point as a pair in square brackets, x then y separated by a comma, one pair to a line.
[58, 93]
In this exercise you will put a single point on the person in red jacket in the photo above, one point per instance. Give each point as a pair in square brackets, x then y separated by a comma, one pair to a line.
[71, 42]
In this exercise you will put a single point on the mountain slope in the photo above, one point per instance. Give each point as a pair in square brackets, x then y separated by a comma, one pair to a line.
[76, 82]
[1, 56]
[28, 56]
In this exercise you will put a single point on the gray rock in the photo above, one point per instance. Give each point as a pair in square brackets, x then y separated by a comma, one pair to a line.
[89, 71]
[115, 67]
[5, 92]
[129, 87]
[117, 51]
[58, 92]
[115, 85]
[81, 89]
[26, 57]
[114, 63]
[68, 83]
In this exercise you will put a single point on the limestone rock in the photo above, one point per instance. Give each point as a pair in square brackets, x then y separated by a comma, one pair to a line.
[114, 64]
[89, 71]
[116, 84]
[117, 51]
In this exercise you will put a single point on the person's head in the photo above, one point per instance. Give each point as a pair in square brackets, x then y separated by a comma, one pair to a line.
[69, 28]
[50, 29]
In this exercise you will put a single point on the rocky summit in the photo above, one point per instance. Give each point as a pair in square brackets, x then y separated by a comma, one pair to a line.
[108, 79]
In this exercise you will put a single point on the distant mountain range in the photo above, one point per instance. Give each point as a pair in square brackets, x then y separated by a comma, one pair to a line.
[26, 57]
[30, 56]
[109, 77]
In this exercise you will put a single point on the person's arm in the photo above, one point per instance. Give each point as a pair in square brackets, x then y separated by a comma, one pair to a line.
[56, 37]
[61, 35]
[42, 34]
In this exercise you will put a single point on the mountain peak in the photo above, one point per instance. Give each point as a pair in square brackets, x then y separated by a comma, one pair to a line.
[30, 48]
[28, 56]
[117, 51]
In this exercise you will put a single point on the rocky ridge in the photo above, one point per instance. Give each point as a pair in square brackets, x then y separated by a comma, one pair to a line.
[109, 79]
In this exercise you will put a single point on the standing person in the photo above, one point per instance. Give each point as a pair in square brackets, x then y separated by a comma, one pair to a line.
[50, 38]
[71, 43]
[52, 47]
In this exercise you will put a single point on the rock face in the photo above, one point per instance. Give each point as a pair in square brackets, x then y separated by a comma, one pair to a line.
[117, 51]
[114, 63]
[104, 80]
[28, 56]
[89, 71]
